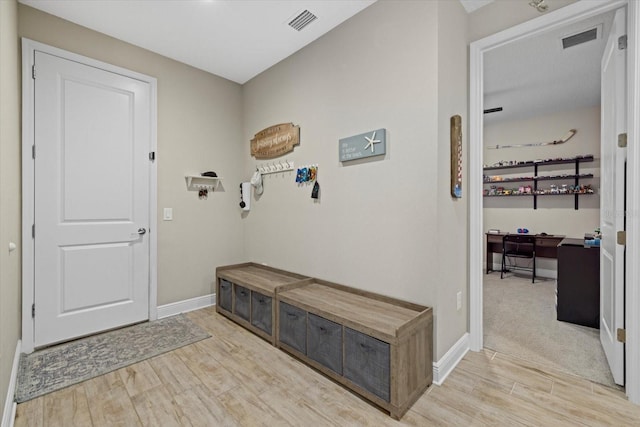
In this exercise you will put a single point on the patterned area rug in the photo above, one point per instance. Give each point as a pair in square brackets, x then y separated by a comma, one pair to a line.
[53, 368]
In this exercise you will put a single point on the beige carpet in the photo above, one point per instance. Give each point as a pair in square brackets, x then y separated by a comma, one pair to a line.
[520, 320]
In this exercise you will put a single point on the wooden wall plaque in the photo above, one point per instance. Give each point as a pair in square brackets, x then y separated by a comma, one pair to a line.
[456, 156]
[275, 141]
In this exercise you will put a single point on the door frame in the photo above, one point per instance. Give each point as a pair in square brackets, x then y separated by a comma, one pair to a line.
[28, 179]
[563, 16]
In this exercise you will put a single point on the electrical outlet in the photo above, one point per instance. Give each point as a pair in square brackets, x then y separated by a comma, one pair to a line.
[459, 300]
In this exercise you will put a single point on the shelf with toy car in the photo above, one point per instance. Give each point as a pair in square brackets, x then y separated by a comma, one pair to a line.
[499, 189]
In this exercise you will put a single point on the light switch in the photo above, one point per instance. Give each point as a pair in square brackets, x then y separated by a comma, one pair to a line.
[168, 214]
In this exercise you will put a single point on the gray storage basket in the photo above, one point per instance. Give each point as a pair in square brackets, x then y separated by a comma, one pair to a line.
[261, 311]
[367, 362]
[324, 342]
[243, 300]
[293, 327]
[224, 298]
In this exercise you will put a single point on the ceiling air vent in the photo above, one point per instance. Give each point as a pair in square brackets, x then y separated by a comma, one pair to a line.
[583, 37]
[302, 20]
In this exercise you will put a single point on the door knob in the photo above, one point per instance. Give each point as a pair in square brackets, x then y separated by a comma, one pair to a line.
[141, 231]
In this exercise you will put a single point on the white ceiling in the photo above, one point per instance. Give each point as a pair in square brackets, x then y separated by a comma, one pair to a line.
[535, 76]
[230, 38]
[234, 39]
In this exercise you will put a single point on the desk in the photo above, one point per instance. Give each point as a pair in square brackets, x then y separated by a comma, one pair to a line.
[546, 247]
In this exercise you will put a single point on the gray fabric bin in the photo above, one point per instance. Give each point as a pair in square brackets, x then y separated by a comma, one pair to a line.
[367, 362]
[225, 290]
[243, 300]
[324, 342]
[293, 327]
[261, 311]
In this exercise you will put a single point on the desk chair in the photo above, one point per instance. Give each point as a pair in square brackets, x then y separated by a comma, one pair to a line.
[516, 246]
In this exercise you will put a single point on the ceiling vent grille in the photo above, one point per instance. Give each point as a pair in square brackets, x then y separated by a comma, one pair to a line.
[302, 20]
[583, 37]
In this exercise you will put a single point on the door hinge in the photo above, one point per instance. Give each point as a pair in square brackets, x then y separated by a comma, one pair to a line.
[33, 231]
[621, 335]
[33, 310]
[33, 72]
[622, 42]
[33, 151]
[621, 237]
[622, 140]
[152, 156]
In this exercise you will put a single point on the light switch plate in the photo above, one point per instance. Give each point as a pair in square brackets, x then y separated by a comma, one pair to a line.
[168, 214]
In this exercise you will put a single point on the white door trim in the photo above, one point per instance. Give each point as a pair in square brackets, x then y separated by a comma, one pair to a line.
[28, 49]
[563, 16]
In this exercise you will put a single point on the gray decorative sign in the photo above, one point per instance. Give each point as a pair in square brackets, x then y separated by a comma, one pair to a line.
[367, 144]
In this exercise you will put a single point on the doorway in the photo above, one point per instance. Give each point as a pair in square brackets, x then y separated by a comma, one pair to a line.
[89, 195]
[567, 15]
[546, 86]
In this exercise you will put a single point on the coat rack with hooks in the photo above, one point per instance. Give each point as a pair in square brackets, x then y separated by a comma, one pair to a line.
[275, 167]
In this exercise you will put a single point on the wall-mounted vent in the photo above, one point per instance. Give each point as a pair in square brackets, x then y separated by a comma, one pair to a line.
[583, 37]
[302, 20]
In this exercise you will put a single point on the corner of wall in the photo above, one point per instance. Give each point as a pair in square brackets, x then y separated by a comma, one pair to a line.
[9, 413]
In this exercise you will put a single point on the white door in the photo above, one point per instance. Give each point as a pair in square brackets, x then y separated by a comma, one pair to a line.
[92, 139]
[612, 196]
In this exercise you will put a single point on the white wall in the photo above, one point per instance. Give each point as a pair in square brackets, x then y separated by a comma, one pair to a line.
[199, 129]
[555, 215]
[376, 226]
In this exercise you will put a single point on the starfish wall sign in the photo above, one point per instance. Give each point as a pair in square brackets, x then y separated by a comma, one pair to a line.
[368, 144]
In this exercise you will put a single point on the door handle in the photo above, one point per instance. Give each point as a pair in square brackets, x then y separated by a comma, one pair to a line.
[136, 236]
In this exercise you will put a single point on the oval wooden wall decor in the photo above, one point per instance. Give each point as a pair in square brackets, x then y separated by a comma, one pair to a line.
[275, 141]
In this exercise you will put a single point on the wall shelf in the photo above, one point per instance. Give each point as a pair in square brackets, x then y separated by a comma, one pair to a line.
[540, 178]
[535, 191]
[198, 182]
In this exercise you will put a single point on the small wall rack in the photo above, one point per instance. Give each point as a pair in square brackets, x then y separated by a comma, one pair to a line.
[198, 182]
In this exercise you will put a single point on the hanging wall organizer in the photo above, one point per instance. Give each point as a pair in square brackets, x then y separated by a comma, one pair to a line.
[198, 182]
[275, 167]
[307, 173]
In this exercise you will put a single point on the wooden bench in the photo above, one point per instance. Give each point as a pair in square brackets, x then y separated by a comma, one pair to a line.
[377, 346]
[246, 294]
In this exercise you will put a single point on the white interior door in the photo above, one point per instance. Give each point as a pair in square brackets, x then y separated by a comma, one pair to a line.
[92, 189]
[612, 196]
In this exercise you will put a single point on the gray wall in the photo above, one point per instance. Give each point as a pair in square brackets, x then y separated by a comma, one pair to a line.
[199, 129]
[386, 225]
[9, 191]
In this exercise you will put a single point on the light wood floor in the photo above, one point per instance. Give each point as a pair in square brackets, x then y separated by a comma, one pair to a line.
[237, 379]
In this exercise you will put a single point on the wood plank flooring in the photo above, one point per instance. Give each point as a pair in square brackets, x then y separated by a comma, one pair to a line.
[235, 378]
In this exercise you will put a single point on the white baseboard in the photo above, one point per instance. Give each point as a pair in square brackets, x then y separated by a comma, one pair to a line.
[443, 367]
[9, 413]
[187, 305]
